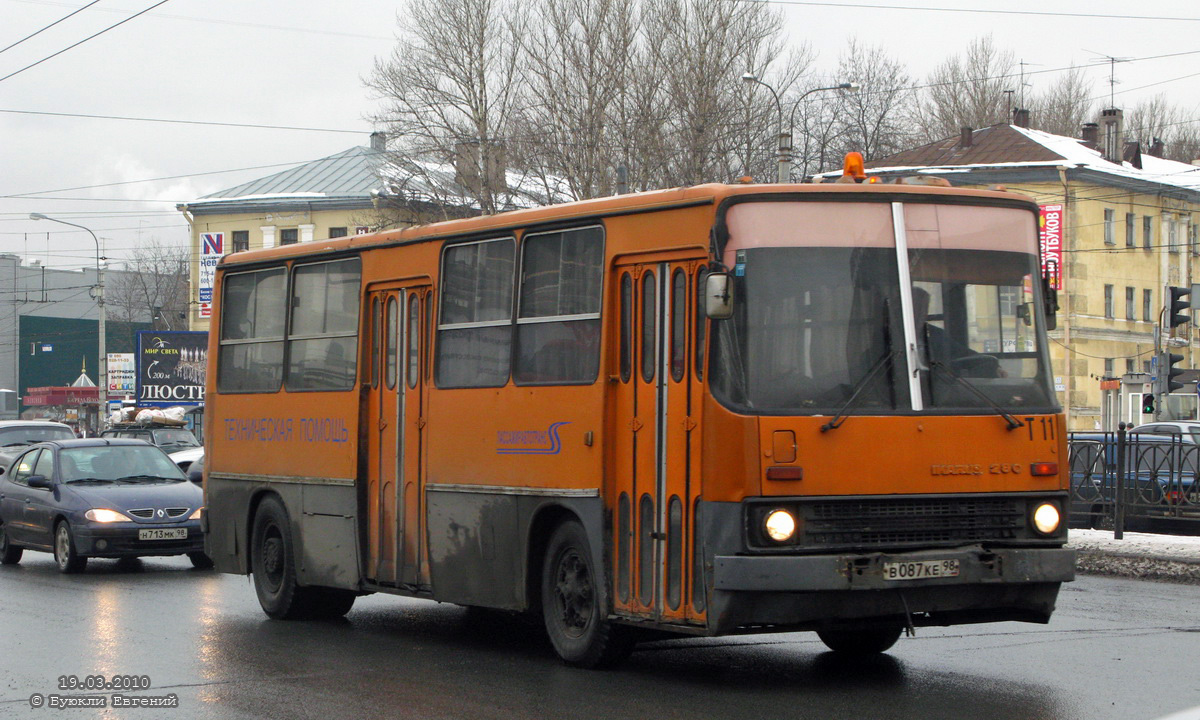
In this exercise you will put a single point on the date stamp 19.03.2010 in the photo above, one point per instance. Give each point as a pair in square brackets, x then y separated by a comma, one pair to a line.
[92, 693]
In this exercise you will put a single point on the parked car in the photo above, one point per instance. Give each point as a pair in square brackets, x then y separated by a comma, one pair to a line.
[171, 438]
[15, 435]
[195, 471]
[186, 458]
[1187, 430]
[98, 497]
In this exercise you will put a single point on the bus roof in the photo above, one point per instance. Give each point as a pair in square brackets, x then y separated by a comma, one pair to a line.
[708, 194]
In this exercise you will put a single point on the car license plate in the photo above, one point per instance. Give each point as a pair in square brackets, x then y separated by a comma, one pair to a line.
[920, 569]
[172, 534]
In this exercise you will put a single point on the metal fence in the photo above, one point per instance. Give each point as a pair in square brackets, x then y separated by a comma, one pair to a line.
[1131, 481]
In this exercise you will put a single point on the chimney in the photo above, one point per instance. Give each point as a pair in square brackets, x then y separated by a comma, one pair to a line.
[1156, 148]
[1133, 154]
[964, 139]
[1112, 142]
[1021, 117]
[379, 141]
[1091, 135]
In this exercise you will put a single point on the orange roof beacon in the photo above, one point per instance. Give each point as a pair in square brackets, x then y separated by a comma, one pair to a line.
[709, 410]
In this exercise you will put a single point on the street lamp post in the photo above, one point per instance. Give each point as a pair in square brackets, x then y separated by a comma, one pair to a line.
[784, 153]
[102, 311]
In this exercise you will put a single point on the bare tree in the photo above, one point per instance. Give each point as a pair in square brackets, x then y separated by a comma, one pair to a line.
[152, 286]
[450, 90]
[875, 118]
[1065, 105]
[966, 91]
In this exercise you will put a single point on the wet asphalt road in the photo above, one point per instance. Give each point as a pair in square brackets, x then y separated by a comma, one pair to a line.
[1115, 649]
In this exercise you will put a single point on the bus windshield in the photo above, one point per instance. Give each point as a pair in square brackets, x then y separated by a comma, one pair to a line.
[820, 309]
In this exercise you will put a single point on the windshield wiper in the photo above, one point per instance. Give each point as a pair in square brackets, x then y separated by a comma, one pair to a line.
[840, 417]
[134, 478]
[88, 480]
[1013, 423]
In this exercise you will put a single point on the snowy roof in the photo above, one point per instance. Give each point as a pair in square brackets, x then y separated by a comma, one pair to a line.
[1008, 148]
[349, 173]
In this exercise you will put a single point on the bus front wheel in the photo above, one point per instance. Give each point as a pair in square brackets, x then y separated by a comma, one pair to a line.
[860, 641]
[575, 620]
[273, 562]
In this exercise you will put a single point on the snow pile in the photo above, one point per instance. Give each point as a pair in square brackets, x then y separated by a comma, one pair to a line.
[1138, 555]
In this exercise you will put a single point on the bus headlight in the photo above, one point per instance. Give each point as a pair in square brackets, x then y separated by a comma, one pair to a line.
[780, 525]
[1046, 518]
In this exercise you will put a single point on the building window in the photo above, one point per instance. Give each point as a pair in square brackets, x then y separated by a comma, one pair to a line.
[1130, 230]
[1108, 302]
[1108, 367]
[337, 232]
[289, 236]
[1146, 366]
[1130, 312]
[241, 240]
[1148, 232]
[1193, 238]
[1110, 231]
[1147, 302]
[1130, 364]
[1172, 236]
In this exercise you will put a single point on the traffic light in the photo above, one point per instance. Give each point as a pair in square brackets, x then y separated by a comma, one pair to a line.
[1179, 310]
[1148, 404]
[1172, 372]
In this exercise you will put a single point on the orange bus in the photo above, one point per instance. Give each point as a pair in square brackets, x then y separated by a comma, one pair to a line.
[710, 410]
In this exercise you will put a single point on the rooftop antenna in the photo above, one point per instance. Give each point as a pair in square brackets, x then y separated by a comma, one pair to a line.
[1112, 72]
[1021, 87]
[1009, 101]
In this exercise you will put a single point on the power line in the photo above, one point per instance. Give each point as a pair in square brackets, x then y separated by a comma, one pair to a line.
[980, 11]
[89, 37]
[211, 123]
[47, 27]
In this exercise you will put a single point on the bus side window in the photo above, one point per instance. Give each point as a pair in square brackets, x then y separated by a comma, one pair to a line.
[649, 317]
[701, 322]
[679, 307]
[253, 316]
[474, 343]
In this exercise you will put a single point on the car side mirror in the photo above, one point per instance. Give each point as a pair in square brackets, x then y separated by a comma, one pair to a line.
[39, 481]
[718, 296]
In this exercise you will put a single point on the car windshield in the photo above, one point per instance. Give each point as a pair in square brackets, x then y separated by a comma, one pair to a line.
[178, 437]
[820, 302]
[28, 434]
[130, 463]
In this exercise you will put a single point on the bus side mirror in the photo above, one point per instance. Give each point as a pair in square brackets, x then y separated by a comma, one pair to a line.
[1050, 297]
[718, 296]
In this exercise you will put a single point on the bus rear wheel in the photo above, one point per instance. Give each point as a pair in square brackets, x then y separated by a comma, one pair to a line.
[575, 619]
[860, 641]
[273, 558]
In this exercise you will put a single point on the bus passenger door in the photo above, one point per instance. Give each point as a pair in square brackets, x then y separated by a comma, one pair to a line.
[382, 432]
[653, 457]
[411, 437]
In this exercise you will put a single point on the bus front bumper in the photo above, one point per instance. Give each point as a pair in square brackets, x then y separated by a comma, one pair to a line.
[987, 585]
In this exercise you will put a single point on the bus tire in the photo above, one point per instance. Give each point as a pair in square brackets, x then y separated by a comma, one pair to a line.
[860, 641]
[273, 564]
[575, 619]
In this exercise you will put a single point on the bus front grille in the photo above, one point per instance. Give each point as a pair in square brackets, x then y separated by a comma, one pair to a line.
[888, 522]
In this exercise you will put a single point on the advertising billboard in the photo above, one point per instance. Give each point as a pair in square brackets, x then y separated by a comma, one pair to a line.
[122, 374]
[1050, 233]
[171, 368]
[212, 247]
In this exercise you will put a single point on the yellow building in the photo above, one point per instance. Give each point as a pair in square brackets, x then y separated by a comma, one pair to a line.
[360, 190]
[1128, 225]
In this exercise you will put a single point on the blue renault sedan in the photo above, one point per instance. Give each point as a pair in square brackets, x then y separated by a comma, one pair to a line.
[98, 497]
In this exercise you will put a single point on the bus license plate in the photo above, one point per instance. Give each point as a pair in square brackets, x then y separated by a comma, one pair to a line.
[172, 534]
[920, 569]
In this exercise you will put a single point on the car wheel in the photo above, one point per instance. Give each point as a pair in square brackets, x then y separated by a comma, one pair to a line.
[860, 641]
[68, 560]
[575, 619]
[9, 554]
[200, 560]
[273, 558]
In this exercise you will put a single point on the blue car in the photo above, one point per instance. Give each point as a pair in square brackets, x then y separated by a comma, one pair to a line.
[98, 497]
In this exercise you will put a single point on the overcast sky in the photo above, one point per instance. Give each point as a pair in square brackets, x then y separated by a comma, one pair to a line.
[301, 63]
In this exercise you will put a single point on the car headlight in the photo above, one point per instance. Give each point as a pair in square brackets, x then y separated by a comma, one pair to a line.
[196, 513]
[780, 525]
[1046, 518]
[104, 515]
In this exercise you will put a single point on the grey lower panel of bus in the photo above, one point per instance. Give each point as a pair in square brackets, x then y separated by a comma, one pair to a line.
[323, 519]
[481, 537]
[752, 592]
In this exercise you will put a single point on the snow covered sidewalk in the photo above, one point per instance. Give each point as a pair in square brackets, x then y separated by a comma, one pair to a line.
[1138, 555]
